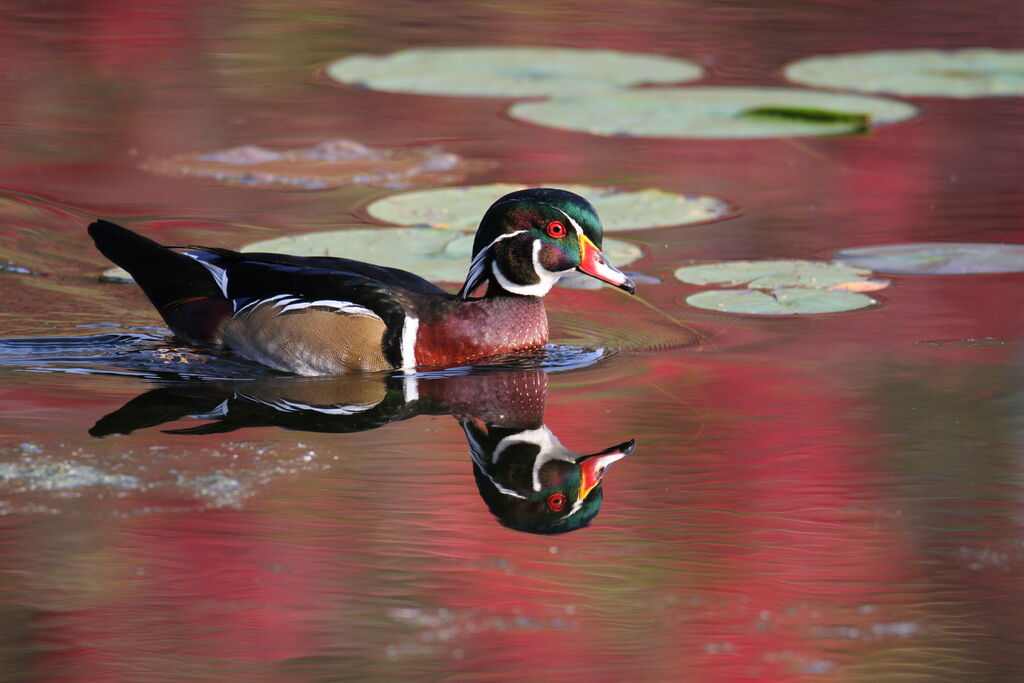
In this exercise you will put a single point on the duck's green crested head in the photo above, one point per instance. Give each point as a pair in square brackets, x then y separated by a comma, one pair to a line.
[528, 239]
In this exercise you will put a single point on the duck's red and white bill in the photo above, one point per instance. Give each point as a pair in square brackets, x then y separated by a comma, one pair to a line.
[594, 264]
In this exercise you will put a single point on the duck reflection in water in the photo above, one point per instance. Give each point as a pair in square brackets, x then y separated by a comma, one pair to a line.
[527, 478]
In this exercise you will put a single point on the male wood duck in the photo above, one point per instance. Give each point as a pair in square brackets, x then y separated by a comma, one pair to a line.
[330, 316]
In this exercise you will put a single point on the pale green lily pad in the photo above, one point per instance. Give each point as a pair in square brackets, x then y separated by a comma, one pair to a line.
[974, 72]
[437, 255]
[784, 287]
[938, 258]
[460, 208]
[714, 112]
[782, 301]
[771, 274]
[509, 71]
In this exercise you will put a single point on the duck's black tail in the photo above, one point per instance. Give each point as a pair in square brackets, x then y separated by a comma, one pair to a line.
[182, 289]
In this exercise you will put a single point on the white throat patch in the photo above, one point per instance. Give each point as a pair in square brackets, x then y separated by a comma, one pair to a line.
[546, 278]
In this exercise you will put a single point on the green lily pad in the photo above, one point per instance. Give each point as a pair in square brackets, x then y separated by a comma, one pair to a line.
[783, 301]
[974, 72]
[437, 255]
[772, 274]
[714, 112]
[939, 258]
[460, 208]
[508, 71]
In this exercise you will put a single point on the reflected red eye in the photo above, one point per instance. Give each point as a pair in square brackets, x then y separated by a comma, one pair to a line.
[557, 230]
[556, 501]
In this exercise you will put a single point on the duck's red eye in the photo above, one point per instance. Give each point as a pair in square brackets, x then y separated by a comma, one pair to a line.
[556, 501]
[557, 230]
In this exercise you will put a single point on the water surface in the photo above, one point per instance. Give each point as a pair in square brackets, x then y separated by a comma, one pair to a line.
[836, 497]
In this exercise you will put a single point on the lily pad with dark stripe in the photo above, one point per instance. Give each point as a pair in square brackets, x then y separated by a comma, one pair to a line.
[716, 112]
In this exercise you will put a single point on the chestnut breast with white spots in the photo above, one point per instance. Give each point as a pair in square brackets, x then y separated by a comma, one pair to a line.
[481, 328]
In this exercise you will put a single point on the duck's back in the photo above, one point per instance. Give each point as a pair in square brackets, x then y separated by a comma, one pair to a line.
[307, 315]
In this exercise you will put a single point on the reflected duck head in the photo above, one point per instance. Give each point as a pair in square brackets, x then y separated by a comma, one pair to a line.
[532, 483]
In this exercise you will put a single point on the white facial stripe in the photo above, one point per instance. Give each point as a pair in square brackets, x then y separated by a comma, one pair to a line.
[546, 278]
[476, 451]
[550, 449]
[572, 221]
[409, 331]
[476, 268]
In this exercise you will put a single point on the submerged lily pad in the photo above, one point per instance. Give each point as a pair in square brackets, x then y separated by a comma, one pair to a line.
[974, 72]
[770, 274]
[938, 258]
[715, 112]
[437, 255]
[325, 165]
[782, 301]
[508, 71]
[460, 208]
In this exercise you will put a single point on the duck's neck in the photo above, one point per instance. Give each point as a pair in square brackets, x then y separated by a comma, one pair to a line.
[496, 324]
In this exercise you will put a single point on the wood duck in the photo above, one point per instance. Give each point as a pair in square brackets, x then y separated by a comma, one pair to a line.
[527, 478]
[330, 316]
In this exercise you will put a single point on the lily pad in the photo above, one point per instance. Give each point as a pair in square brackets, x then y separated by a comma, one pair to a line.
[714, 112]
[772, 274]
[437, 255]
[974, 72]
[508, 71]
[782, 301]
[938, 258]
[325, 165]
[785, 287]
[460, 208]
